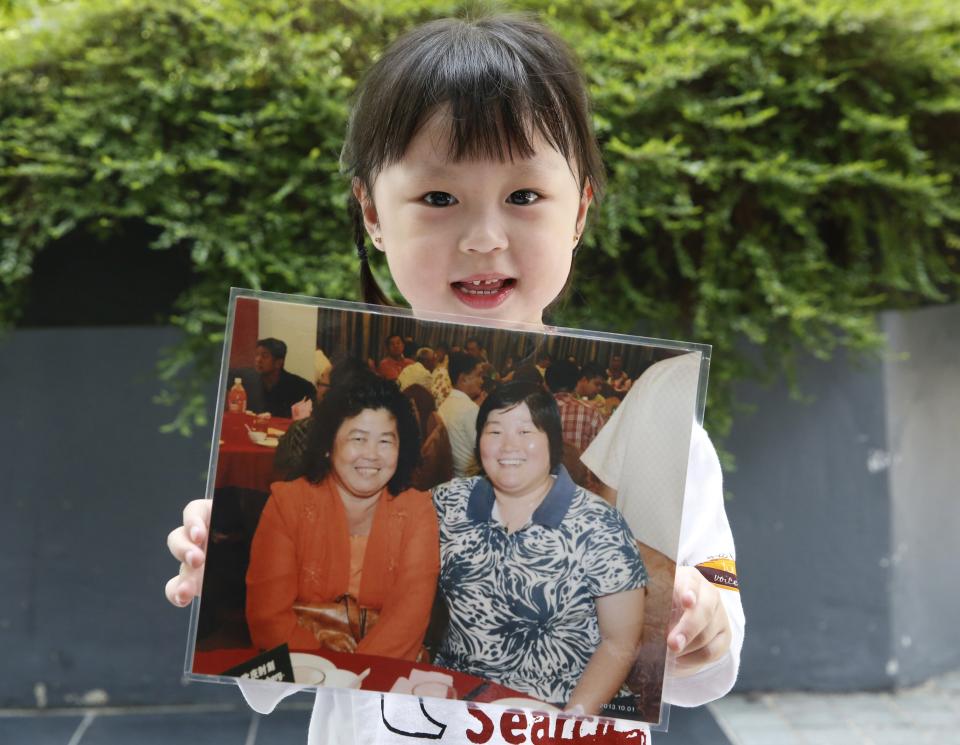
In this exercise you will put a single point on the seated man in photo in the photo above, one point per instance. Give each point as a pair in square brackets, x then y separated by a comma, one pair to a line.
[269, 387]
[440, 384]
[589, 388]
[420, 372]
[617, 377]
[459, 411]
[581, 420]
[473, 347]
[393, 364]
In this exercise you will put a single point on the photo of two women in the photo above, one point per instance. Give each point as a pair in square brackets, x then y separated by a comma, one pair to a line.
[434, 515]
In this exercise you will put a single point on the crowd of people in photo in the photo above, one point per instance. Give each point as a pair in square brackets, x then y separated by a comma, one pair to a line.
[409, 487]
[459, 377]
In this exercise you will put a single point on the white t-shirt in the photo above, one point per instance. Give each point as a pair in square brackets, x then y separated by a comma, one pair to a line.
[642, 450]
[459, 415]
[343, 717]
[415, 374]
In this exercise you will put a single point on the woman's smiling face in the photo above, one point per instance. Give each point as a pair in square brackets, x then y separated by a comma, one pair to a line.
[514, 453]
[365, 452]
[477, 237]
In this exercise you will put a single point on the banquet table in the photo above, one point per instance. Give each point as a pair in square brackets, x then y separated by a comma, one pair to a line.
[241, 462]
[384, 672]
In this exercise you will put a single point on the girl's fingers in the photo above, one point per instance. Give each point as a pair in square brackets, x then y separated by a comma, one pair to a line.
[692, 623]
[708, 652]
[196, 520]
[700, 603]
[180, 590]
[710, 632]
[188, 545]
[185, 550]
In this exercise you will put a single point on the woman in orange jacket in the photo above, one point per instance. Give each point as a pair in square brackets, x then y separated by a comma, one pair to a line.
[348, 538]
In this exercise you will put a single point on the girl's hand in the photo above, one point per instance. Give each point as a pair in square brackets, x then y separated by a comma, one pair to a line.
[188, 544]
[702, 633]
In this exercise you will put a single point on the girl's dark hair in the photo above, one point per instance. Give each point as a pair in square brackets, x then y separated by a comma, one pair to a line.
[347, 399]
[503, 77]
[543, 411]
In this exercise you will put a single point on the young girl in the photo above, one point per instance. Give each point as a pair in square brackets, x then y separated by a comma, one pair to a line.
[474, 165]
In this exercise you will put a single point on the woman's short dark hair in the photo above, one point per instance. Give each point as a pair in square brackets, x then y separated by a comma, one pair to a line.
[276, 348]
[528, 373]
[562, 376]
[347, 399]
[461, 363]
[503, 77]
[543, 412]
[345, 367]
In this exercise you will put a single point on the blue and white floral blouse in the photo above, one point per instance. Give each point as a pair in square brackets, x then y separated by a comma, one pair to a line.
[522, 609]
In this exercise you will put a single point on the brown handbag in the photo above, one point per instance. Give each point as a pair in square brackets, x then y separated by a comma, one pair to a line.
[339, 625]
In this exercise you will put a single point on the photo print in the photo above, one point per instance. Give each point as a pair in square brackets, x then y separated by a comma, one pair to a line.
[443, 507]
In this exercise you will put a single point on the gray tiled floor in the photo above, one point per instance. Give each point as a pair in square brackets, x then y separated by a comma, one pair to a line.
[926, 714]
[213, 726]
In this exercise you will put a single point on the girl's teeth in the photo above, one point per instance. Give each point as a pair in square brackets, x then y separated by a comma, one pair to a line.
[482, 286]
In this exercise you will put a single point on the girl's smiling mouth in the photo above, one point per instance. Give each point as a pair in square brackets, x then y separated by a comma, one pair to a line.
[483, 291]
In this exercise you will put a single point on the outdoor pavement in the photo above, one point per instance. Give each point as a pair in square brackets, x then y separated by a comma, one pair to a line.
[924, 715]
[928, 714]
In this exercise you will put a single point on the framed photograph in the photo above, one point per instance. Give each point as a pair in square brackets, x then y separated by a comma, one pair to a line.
[444, 507]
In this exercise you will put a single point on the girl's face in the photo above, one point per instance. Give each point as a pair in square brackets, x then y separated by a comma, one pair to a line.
[365, 452]
[514, 453]
[481, 237]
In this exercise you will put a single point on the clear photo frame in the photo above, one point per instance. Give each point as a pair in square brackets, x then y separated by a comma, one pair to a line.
[446, 588]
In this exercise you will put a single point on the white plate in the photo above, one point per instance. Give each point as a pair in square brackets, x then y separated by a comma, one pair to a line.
[524, 703]
[306, 667]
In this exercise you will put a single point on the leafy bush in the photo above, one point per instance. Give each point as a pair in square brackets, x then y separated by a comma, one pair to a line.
[778, 170]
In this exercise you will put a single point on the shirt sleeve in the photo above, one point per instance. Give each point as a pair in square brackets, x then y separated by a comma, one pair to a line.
[273, 578]
[705, 536]
[612, 559]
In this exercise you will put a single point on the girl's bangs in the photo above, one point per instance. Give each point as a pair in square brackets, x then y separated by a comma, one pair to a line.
[502, 83]
[496, 95]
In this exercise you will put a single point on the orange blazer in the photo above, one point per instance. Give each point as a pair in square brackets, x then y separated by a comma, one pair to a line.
[301, 554]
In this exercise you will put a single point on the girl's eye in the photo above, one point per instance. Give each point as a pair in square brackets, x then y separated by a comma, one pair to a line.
[439, 199]
[523, 196]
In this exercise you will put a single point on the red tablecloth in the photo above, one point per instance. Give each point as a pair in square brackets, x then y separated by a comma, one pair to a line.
[241, 462]
[384, 672]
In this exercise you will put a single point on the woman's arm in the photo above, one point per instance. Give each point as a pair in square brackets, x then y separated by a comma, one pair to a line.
[272, 582]
[620, 617]
[406, 609]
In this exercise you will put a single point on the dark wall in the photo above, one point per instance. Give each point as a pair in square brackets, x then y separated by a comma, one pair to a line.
[90, 490]
[812, 524]
[846, 515]
[923, 411]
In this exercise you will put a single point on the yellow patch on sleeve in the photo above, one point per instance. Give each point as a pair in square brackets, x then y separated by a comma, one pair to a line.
[721, 572]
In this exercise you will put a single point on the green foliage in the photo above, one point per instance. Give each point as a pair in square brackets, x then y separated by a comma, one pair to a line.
[778, 170]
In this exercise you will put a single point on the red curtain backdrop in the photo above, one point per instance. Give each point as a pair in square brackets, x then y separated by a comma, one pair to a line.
[246, 326]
